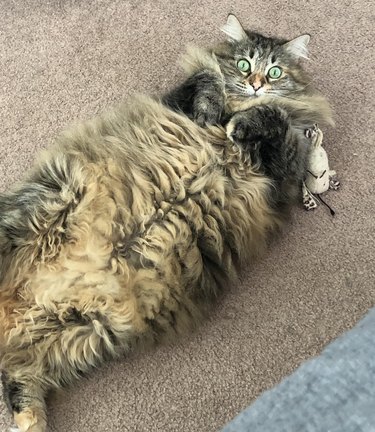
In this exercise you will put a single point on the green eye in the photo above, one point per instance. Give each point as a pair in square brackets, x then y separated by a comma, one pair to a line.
[243, 65]
[275, 72]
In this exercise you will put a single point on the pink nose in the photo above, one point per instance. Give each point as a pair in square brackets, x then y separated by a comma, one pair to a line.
[256, 85]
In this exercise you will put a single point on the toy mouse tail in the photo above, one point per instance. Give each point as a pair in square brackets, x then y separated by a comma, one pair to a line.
[327, 205]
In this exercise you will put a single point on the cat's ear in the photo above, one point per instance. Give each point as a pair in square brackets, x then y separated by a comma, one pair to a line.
[233, 29]
[298, 47]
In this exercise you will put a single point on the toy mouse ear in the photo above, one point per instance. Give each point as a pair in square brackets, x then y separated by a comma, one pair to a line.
[233, 29]
[298, 47]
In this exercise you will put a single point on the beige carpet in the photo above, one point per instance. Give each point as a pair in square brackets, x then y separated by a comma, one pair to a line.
[63, 60]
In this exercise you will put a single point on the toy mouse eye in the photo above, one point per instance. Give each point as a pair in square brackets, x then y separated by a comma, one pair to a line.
[243, 65]
[323, 173]
[315, 177]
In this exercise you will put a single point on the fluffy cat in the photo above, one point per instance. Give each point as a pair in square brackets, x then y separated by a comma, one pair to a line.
[132, 223]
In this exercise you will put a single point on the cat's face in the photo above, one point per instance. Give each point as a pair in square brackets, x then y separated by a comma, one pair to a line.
[254, 65]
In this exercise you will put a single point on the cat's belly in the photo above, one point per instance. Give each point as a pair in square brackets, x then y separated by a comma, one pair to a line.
[144, 212]
[140, 247]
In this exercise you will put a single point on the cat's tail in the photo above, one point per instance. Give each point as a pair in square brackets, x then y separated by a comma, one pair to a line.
[33, 216]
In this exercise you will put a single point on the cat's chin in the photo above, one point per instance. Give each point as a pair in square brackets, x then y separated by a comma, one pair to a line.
[237, 104]
[257, 96]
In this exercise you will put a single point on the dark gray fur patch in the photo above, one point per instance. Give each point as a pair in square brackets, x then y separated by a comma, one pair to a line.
[275, 148]
[200, 97]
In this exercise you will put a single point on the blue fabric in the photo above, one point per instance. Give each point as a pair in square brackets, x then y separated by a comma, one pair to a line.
[334, 392]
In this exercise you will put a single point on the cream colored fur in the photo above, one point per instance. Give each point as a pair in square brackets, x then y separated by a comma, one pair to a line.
[147, 194]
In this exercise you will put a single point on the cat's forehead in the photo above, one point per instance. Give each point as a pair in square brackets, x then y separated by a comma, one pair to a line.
[260, 46]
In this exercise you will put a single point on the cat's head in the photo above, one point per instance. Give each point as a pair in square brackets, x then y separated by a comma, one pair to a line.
[254, 65]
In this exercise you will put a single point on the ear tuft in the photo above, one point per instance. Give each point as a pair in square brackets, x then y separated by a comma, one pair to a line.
[233, 29]
[298, 47]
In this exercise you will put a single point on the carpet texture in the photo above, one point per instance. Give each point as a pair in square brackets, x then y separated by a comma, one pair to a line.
[333, 392]
[61, 61]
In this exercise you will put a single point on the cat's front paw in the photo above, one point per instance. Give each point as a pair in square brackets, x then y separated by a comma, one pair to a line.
[208, 117]
[207, 111]
[259, 123]
[238, 130]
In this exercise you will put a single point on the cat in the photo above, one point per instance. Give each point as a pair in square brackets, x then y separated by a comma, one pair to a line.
[131, 224]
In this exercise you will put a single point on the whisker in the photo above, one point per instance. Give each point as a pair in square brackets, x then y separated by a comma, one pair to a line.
[296, 90]
[283, 96]
[238, 88]
[284, 93]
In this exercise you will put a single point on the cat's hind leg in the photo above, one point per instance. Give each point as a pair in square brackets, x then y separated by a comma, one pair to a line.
[51, 349]
[25, 399]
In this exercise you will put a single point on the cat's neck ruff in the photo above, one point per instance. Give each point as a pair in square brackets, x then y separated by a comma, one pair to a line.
[305, 106]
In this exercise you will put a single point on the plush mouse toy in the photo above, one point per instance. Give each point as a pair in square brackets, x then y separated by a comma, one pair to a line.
[319, 178]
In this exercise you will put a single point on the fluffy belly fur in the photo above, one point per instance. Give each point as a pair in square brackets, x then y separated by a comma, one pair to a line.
[122, 233]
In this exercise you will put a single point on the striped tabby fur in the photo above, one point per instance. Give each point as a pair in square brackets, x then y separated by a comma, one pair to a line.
[124, 231]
